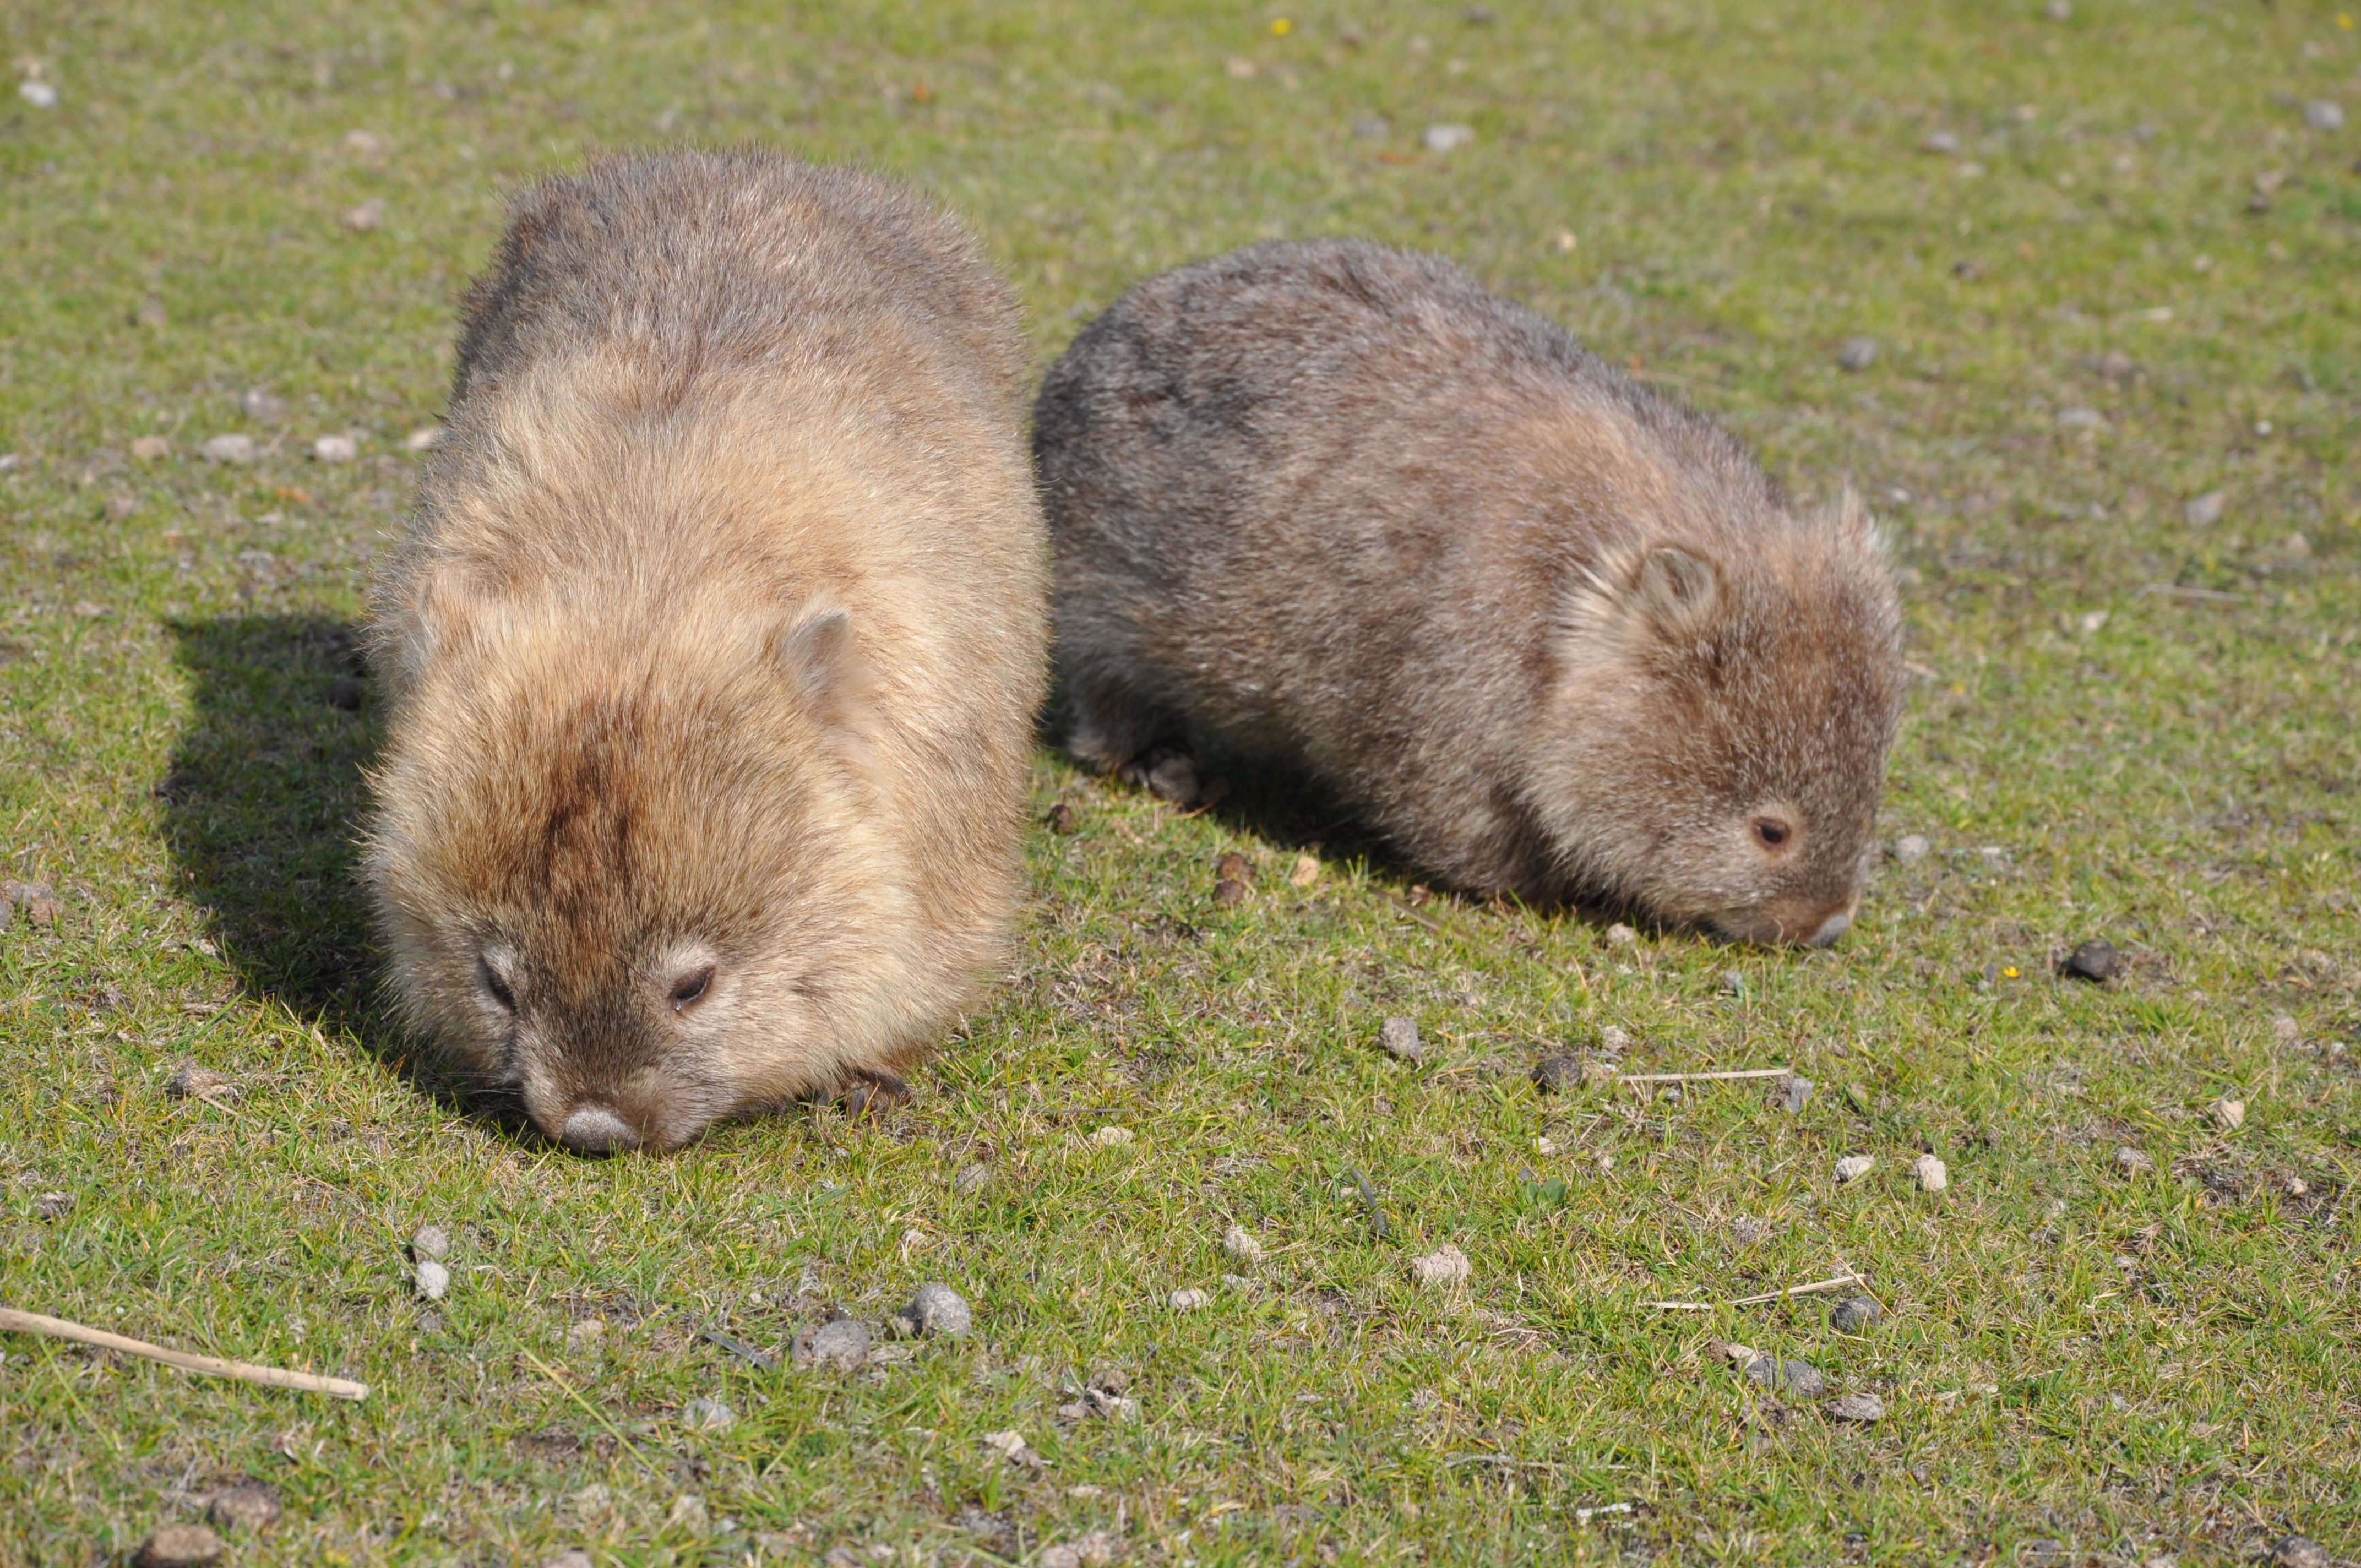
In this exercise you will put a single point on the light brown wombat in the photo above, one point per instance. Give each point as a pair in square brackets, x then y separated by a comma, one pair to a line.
[1545, 629]
[714, 647]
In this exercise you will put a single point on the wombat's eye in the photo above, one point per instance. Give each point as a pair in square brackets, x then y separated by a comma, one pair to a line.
[690, 988]
[1772, 831]
[495, 984]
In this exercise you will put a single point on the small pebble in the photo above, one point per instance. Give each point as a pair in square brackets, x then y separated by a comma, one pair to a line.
[1447, 138]
[1242, 1246]
[2060, 10]
[1011, 1446]
[430, 1242]
[1795, 1093]
[708, 1415]
[336, 449]
[1853, 1166]
[972, 1180]
[432, 1279]
[573, 1557]
[2298, 1552]
[2228, 1115]
[1732, 983]
[1227, 891]
[40, 95]
[347, 693]
[1739, 1355]
[842, 1345]
[1861, 1407]
[934, 1310]
[2132, 1162]
[1062, 819]
[1373, 127]
[2323, 115]
[583, 1333]
[1112, 1137]
[2095, 961]
[1932, 1174]
[1854, 1312]
[1400, 1038]
[363, 219]
[426, 438]
[1614, 1039]
[229, 449]
[2286, 1030]
[1797, 1378]
[1560, 1074]
[1621, 935]
[1943, 144]
[2206, 511]
[1306, 872]
[1911, 847]
[1189, 1300]
[152, 448]
[53, 1205]
[2080, 418]
[688, 1512]
[250, 1505]
[262, 403]
[179, 1546]
[1444, 1266]
[1858, 352]
[194, 1082]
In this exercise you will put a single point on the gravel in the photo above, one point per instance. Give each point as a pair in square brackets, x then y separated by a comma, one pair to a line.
[367, 217]
[842, 1345]
[2095, 961]
[151, 449]
[249, 1505]
[1853, 1166]
[1372, 127]
[971, 1179]
[708, 1415]
[1794, 1094]
[1912, 848]
[1189, 1300]
[434, 1281]
[1622, 935]
[1243, 1248]
[229, 449]
[574, 1557]
[179, 1546]
[1400, 1038]
[1113, 1138]
[262, 403]
[1560, 1074]
[53, 1205]
[1858, 352]
[1933, 1176]
[1799, 1379]
[1854, 1313]
[1943, 144]
[2132, 1162]
[2322, 115]
[1444, 1266]
[430, 1242]
[39, 95]
[936, 1310]
[2286, 1030]
[194, 1082]
[336, 449]
[1732, 983]
[1861, 1407]
[2298, 1552]
[2206, 511]
[1447, 137]
[1305, 871]
[2228, 1115]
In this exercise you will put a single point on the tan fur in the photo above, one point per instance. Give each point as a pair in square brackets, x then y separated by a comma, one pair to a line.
[716, 640]
[1549, 632]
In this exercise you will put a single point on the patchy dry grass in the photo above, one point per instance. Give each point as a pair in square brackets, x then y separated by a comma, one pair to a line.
[2127, 726]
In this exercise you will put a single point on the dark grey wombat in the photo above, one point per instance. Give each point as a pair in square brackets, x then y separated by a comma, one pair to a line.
[1546, 630]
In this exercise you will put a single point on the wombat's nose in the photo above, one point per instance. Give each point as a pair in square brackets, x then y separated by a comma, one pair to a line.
[1832, 928]
[594, 1129]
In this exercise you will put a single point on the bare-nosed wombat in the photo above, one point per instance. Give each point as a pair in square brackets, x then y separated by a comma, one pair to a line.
[713, 646]
[1545, 629]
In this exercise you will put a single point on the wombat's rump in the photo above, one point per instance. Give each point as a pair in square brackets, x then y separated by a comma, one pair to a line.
[1547, 631]
[713, 647]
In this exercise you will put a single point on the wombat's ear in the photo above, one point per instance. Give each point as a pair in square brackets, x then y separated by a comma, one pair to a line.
[1678, 594]
[825, 664]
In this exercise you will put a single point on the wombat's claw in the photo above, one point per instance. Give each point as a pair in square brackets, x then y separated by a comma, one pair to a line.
[875, 1095]
[1168, 775]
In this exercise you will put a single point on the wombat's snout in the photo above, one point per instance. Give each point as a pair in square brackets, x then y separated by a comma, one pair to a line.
[1805, 922]
[596, 1129]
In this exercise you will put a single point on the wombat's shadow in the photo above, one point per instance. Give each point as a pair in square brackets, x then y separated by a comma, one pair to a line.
[262, 811]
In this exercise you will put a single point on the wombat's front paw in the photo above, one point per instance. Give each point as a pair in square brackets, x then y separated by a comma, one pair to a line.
[874, 1094]
[1170, 774]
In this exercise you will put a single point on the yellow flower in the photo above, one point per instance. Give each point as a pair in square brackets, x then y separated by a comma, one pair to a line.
[2009, 973]
[2345, 21]
[1280, 27]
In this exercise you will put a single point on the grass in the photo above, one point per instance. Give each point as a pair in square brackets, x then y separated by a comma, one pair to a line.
[2125, 726]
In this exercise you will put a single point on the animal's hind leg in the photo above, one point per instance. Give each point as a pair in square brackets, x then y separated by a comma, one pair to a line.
[1120, 729]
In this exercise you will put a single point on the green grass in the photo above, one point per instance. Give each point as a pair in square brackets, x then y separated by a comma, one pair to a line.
[2128, 1367]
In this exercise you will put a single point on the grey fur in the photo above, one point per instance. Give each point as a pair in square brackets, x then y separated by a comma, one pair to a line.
[1548, 630]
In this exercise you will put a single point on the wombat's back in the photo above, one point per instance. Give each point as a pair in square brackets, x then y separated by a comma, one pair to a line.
[714, 645]
[1343, 505]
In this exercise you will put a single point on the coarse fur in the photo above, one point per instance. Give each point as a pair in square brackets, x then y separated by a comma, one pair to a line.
[713, 648]
[1547, 631]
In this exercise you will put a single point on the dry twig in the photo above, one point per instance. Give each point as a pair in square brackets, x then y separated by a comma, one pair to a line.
[245, 1372]
[1839, 1282]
